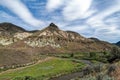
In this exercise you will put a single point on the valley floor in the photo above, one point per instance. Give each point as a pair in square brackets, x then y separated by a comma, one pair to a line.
[20, 68]
[43, 69]
[64, 67]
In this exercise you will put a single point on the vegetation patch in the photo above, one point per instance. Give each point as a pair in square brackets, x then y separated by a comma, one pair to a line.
[53, 67]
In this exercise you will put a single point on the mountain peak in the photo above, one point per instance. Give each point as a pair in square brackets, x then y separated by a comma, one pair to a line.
[53, 26]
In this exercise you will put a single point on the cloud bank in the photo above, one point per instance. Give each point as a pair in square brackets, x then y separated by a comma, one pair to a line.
[18, 8]
[77, 9]
[54, 4]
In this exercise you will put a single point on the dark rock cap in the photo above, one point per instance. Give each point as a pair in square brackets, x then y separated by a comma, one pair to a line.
[53, 25]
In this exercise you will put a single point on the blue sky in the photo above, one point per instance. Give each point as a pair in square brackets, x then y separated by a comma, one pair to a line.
[90, 18]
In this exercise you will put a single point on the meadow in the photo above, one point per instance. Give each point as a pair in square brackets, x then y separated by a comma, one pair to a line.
[44, 70]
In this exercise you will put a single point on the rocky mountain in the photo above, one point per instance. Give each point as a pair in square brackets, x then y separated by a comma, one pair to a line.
[51, 37]
[68, 41]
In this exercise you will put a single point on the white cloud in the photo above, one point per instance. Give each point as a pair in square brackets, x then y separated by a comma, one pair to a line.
[110, 34]
[98, 19]
[89, 13]
[105, 31]
[82, 29]
[77, 9]
[6, 15]
[79, 28]
[18, 8]
[54, 4]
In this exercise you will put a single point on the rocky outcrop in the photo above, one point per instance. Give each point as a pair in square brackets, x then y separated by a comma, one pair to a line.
[22, 36]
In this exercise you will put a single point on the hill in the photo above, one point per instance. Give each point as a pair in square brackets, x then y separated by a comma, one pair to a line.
[54, 38]
[23, 44]
[10, 33]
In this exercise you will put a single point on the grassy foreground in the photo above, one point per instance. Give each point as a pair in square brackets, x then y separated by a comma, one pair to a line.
[42, 70]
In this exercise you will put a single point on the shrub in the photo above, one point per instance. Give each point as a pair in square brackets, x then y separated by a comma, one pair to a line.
[115, 55]
[72, 55]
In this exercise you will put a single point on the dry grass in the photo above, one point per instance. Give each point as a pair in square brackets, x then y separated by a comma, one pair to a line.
[116, 73]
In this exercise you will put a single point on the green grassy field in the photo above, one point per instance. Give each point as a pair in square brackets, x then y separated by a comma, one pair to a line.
[52, 67]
